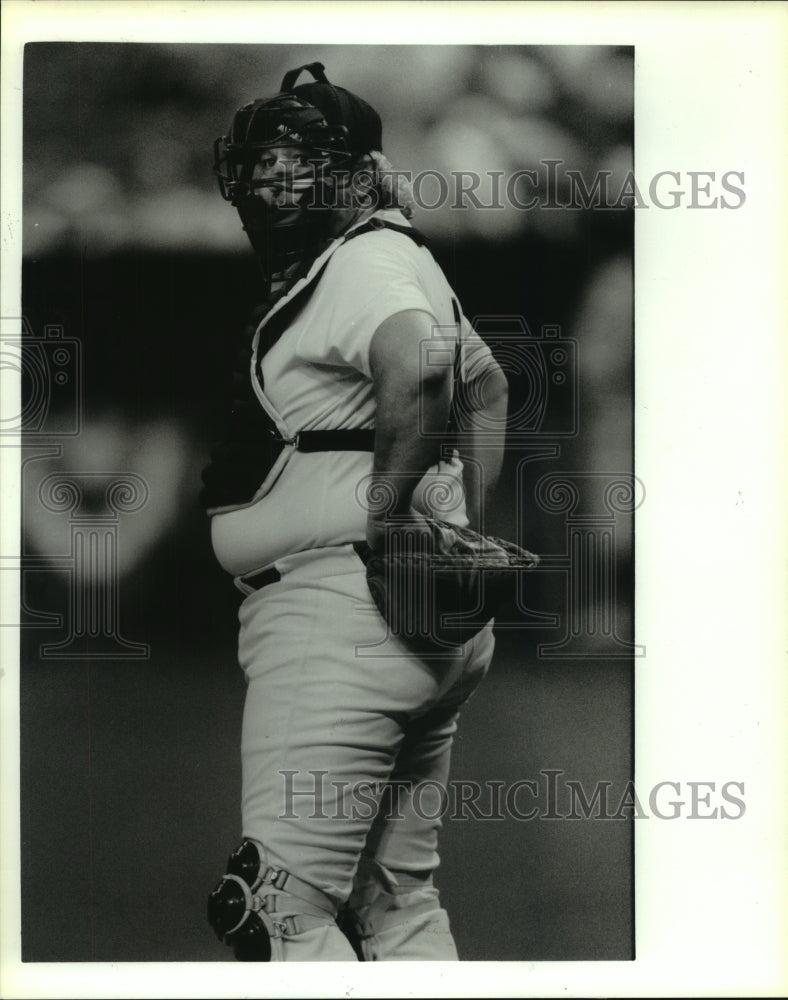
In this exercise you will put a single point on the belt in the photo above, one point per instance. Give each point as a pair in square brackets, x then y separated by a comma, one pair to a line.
[259, 580]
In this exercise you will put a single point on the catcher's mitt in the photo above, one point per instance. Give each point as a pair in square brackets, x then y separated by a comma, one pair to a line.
[437, 584]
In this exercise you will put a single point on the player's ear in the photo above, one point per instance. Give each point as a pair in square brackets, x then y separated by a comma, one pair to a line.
[394, 185]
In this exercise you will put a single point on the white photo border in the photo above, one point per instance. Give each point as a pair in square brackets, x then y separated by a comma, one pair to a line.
[711, 86]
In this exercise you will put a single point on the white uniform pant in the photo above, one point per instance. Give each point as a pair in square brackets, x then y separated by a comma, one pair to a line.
[340, 719]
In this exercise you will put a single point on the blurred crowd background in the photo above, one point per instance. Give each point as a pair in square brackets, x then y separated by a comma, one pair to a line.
[130, 771]
[117, 139]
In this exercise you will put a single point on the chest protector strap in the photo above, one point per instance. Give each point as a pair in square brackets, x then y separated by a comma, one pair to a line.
[243, 460]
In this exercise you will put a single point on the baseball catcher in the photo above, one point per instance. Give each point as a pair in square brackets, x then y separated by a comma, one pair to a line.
[346, 496]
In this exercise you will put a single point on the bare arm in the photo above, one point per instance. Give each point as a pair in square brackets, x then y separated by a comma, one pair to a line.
[411, 398]
[481, 422]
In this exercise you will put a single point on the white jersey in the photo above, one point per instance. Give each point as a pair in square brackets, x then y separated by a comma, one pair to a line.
[317, 377]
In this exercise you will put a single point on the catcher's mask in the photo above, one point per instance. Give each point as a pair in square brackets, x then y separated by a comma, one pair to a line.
[309, 135]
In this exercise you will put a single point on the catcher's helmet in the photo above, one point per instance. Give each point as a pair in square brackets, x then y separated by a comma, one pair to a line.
[330, 120]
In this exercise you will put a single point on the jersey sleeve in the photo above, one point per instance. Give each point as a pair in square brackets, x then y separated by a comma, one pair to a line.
[368, 281]
[475, 357]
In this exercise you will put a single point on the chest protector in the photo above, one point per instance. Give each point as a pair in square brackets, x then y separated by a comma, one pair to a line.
[251, 445]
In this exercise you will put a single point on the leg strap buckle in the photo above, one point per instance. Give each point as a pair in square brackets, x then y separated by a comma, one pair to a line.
[277, 878]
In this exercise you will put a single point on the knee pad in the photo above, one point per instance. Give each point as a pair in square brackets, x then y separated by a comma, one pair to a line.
[255, 906]
[396, 915]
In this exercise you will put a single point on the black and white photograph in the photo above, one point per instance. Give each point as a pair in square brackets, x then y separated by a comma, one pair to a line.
[373, 562]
